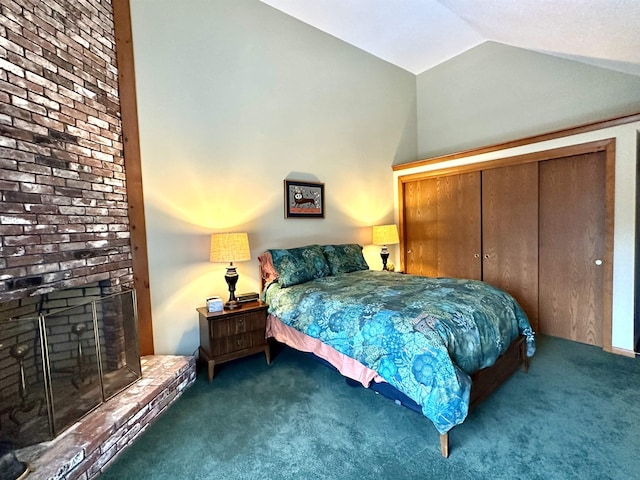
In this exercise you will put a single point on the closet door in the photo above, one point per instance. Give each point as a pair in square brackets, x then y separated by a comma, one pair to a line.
[442, 226]
[420, 227]
[510, 233]
[572, 230]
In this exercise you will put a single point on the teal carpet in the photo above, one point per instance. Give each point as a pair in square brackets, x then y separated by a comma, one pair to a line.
[575, 415]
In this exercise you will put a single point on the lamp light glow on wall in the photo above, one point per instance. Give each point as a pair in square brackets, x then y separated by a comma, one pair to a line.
[230, 247]
[385, 235]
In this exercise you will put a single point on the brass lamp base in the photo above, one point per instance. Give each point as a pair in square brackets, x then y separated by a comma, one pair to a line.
[384, 255]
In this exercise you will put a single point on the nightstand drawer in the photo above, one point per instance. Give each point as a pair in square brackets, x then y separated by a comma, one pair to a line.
[226, 327]
[235, 343]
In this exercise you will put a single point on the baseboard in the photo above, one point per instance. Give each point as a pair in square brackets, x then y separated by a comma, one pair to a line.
[623, 351]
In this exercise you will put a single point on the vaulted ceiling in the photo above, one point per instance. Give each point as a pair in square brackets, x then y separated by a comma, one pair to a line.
[417, 35]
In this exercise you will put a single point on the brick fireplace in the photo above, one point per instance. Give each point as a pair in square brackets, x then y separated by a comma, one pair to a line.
[66, 215]
[53, 406]
[64, 210]
[65, 234]
[61, 357]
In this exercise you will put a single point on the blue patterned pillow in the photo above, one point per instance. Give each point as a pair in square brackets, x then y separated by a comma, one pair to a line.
[299, 265]
[345, 258]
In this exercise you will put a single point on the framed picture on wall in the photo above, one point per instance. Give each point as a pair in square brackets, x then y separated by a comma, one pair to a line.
[303, 199]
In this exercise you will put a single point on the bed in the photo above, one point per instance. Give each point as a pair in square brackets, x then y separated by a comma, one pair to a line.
[443, 343]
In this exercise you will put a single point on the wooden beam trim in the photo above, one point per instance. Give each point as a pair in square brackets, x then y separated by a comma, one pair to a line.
[589, 127]
[607, 319]
[133, 170]
[565, 151]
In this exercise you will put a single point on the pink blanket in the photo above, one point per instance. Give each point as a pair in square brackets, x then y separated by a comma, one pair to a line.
[347, 366]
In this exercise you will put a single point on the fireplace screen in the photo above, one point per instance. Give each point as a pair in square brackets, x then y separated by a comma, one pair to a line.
[57, 367]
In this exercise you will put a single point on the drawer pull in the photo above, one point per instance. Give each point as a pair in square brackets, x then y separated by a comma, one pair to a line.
[239, 341]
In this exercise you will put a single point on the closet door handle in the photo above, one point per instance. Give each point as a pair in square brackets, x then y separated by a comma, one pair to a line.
[486, 255]
[477, 255]
[598, 262]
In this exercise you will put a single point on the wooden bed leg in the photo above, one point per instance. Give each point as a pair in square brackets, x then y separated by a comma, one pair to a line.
[523, 357]
[444, 444]
[525, 365]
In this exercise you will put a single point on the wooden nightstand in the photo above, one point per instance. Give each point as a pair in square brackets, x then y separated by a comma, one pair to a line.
[233, 334]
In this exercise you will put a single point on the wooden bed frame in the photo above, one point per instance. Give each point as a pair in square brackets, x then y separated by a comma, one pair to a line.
[487, 380]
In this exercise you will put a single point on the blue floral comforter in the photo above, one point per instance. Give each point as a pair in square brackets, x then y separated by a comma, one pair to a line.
[425, 336]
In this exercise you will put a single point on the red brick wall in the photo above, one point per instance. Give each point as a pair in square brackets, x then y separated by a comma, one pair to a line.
[63, 215]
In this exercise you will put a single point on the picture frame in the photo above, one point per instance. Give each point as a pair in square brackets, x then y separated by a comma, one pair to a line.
[303, 199]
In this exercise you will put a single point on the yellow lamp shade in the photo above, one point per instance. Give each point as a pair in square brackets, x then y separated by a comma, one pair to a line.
[229, 247]
[385, 235]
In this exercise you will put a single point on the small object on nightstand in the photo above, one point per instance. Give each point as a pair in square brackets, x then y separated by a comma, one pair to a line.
[214, 304]
[247, 297]
[232, 334]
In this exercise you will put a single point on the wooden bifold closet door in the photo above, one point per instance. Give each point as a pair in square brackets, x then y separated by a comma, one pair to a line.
[479, 225]
[572, 247]
[510, 233]
[537, 229]
[442, 226]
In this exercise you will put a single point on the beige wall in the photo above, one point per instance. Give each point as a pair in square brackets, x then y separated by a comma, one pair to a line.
[233, 98]
[495, 93]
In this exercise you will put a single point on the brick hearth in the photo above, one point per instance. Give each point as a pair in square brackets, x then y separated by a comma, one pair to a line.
[87, 448]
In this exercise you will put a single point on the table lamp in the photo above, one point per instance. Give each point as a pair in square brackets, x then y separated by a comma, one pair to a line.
[230, 247]
[385, 235]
